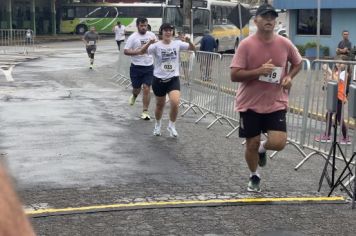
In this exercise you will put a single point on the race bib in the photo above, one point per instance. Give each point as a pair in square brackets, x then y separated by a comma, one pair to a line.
[167, 66]
[274, 77]
[91, 43]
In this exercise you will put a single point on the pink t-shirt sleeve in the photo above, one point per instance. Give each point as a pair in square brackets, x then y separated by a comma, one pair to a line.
[239, 59]
[294, 56]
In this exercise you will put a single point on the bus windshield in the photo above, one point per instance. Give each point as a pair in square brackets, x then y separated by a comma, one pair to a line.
[174, 15]
[211, 15]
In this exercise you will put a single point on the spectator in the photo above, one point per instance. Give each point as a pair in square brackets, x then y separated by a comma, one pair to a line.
[207, 44]
[344, 47]
[342, 75]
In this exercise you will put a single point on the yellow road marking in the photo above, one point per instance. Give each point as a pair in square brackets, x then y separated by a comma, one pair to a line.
[182, 203]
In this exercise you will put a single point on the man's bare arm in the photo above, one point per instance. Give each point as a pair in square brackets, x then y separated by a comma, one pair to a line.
[13, 221]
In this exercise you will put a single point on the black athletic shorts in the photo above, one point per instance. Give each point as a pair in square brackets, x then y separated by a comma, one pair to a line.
[141, 75]
[91, 49]
[253, 124]
[162, 87]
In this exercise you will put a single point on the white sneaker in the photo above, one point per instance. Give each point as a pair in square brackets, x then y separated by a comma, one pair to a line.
[132, 100]
[157, 130]
[172, 131]
[145, 116]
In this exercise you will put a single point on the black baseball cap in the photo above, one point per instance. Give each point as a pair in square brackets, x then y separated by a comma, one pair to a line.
[266, 8]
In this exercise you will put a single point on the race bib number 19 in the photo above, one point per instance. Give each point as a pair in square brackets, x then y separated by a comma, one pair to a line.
[274, 77]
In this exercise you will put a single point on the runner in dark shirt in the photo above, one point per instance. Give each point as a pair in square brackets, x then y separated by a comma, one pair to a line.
[90, 39]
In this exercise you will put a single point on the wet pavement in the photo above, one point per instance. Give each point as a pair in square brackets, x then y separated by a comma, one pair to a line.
[70, 140]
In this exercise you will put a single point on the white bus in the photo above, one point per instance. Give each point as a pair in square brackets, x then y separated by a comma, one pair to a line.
[78, 17]
[207, 14]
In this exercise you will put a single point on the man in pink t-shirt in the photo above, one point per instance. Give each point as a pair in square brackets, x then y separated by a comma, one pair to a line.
[260, 64]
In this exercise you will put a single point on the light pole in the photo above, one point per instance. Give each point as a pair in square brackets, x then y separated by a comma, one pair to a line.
[187, 7]
[318, 30]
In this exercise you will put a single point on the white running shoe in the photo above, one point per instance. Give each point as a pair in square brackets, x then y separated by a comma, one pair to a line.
[132, 100]
[172, 131]
[157, 130]
[145, 116]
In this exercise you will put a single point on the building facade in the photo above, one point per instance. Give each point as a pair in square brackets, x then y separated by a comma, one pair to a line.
[336, 16]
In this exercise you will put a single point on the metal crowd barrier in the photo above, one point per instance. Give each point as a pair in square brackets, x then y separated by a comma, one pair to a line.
[211, 92]
[123, 69]
[203, 83]
[210, 89]
[17, 41]
[309, 131]
[206, 87]
[186, 73]
[226, 96]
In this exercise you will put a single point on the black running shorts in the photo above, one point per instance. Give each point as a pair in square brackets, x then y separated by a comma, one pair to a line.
[253, 124]
[162, 87]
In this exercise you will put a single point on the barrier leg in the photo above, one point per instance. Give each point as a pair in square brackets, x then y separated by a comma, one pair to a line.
[201, 117]
[219, 118]
[191, 107]
[232, 131]
[354, 198]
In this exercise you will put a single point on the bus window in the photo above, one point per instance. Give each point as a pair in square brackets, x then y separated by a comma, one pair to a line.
[68, 14]
[149, 12]
[174, 15]
[224, 15]
[113, 12]
[229, 9]
[218, 13]
[154, 11]
[81, 12]
[123, 11]
[200, 21]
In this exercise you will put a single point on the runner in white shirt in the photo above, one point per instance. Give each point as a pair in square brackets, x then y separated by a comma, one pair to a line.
[141, 69]
[166, 74]
[119, 31]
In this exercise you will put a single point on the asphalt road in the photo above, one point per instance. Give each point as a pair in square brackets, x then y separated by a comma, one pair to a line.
[70, 140]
